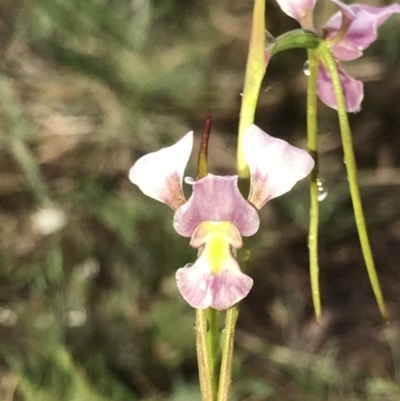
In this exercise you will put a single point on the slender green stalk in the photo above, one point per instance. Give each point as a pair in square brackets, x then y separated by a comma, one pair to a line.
[312, 143]
[296, 39]
[225, 379]
[329, 61]
[232, 314]
[203, 359]
[255, 70]
[213, 342]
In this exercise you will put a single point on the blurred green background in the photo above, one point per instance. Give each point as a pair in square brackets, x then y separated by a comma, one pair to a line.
[89, 308]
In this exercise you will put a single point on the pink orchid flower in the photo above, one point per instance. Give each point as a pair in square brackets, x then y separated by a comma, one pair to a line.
[216, 216]
[349, 32]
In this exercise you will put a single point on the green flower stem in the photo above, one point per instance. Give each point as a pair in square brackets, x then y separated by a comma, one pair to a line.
[225, 379]
[213, 342]
[255, 70]
[232, 314]
[203, 360]
[296, 39]
[326, 56]
[312, 143]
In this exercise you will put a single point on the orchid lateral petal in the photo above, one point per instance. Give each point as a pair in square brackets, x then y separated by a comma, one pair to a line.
[352, 89]
[201, 289]
[159, 174]
[217, 199]
[300, 10]
[275, 165]
[362, 31]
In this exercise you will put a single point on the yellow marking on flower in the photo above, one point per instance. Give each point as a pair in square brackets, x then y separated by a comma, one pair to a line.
[217, 238]
[217, 251]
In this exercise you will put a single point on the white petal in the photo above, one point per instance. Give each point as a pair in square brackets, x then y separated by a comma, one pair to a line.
[159, 174]
[275, 165]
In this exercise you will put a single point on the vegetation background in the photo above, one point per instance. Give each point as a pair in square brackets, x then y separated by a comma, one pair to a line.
[89, 308]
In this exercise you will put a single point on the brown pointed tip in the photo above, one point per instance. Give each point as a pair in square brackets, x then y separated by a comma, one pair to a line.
[318, 318]
[207, 128]
[385, 316]
[202, 165]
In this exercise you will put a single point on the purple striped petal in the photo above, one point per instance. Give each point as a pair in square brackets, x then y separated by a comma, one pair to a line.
[352, 89]
[362, 31]
[202, 289]
[217, 199]
[300, 10]
[159, 174]
[275, 165]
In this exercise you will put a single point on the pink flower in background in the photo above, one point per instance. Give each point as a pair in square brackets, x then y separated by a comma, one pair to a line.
[216, 216]
[349, 32]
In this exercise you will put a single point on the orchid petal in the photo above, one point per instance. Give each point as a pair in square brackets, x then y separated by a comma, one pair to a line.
[159, 174]
[275, 165]
[202, 289]
[352, 89]
[300, 10]
[362, 31]
[215, 279]
[217, 199]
